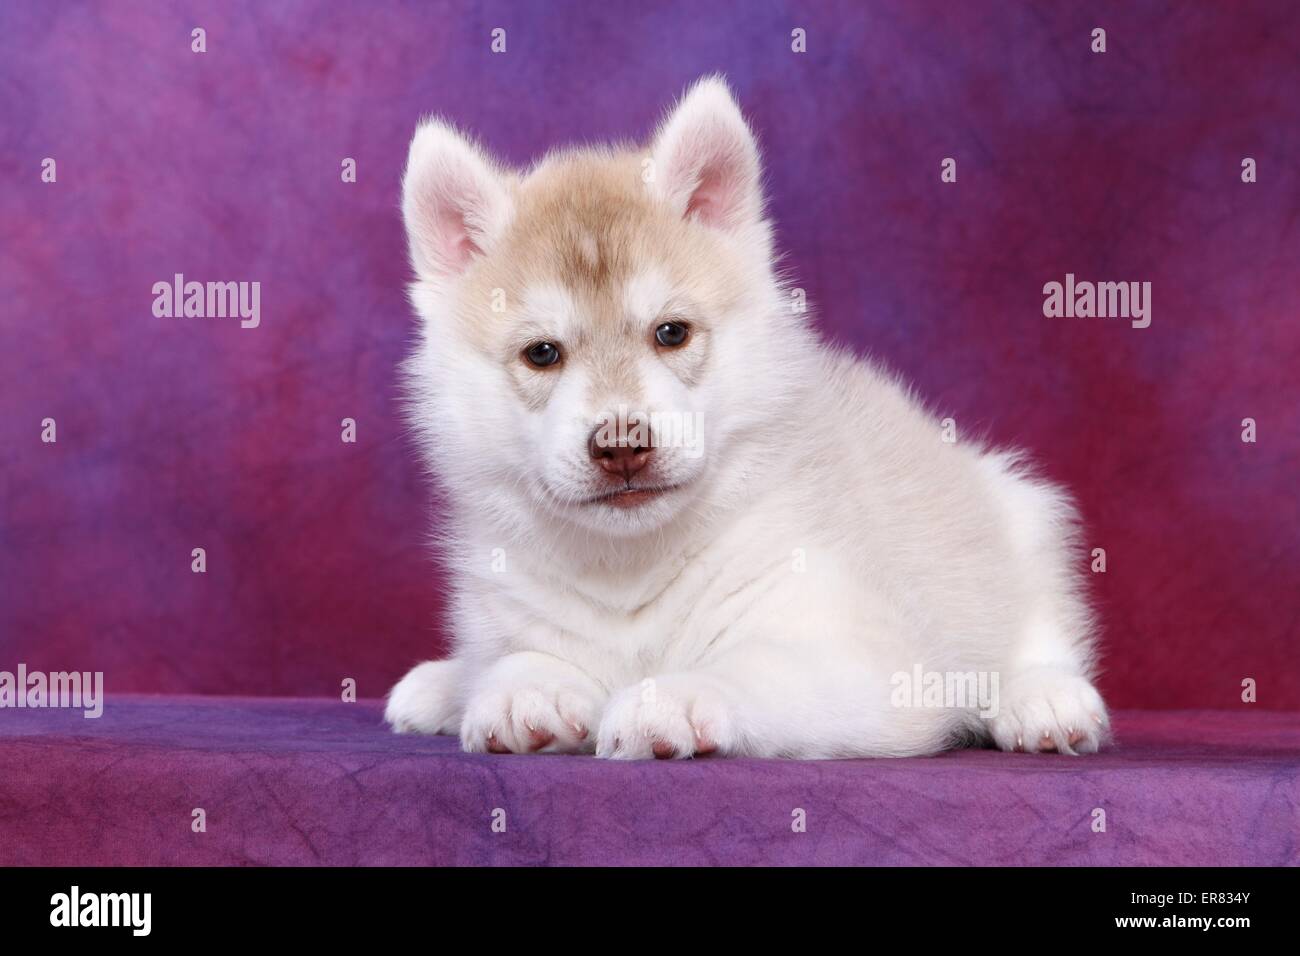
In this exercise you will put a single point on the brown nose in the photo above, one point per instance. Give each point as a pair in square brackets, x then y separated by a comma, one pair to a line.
[624, 457]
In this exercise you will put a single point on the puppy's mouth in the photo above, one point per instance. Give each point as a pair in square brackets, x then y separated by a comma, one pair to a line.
[631, 496]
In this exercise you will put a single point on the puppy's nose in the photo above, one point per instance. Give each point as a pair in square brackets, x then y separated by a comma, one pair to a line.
[623, 457]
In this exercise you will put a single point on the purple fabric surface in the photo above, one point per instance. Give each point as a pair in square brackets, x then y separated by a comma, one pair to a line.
[225, 166]
[319, 782]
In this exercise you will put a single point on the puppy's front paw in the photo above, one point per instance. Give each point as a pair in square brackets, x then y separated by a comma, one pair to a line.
[425, 700]
[677, 716]
[1050, 709]
[530, 718]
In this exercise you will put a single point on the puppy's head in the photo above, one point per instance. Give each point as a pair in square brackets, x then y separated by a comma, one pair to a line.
[603, 333]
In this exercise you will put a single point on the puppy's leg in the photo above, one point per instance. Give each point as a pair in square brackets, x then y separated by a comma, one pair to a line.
[532, 703]
[1046, 701]
[670, 716]
[770, 699]
[1049, 707]
[427, 699]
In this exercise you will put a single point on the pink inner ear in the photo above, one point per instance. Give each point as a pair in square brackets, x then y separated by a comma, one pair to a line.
[704, 202]
[714, 200]
[458, 247]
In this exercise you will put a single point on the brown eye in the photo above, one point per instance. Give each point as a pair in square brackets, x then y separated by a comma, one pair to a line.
[672, 334]
[542, 354]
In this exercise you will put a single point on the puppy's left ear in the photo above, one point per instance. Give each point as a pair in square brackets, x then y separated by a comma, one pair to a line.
[706, 159]
[455, 200]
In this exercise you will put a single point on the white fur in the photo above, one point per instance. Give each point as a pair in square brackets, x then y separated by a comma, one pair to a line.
[827, 539]
[453, 199]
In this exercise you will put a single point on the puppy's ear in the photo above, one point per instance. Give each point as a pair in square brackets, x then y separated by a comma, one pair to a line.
[455, 201]
[706, 159]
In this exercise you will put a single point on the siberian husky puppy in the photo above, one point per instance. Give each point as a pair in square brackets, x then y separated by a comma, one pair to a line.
[677, 522]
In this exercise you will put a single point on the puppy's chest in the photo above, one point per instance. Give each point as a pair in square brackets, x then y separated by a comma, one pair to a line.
[666, 622]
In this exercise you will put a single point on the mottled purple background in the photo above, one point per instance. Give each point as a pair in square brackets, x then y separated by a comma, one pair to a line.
[183, 433]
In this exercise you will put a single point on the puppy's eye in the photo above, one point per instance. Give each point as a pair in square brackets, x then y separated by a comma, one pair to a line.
[672, 334]
[542, 354]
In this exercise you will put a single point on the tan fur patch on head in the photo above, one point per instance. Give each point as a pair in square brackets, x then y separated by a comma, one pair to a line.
[582, 217]
[585, 222]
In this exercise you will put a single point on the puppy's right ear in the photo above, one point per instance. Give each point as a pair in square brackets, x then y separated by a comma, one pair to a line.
[455, 201]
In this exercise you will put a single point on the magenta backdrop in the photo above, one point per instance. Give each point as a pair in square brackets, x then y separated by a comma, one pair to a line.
[182, 433]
